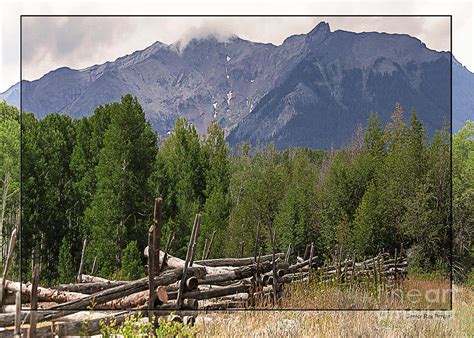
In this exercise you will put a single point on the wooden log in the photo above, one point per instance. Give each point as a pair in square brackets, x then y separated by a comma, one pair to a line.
[157, 233]
[310, 263]
[160, 296]
[257, 240]
[189, 320]
[195, 235]
[274, 267]
[204, 250]
[210, 245]
[395, 267]
[92, 279]
[18, 315]
[94, 266]
[167, 250]
[43, 294]
[151, 272]
[236, 274]
[34, 301]
[241, 251]
[189, 254]
[215, 292]
[236, 262]
[224, 305]
[306, 252]
[89, 288]
[288, 251]
[73, 328]
[178, 263]
[81, 264]
[166, 278]
[10, 253]
[175, 318]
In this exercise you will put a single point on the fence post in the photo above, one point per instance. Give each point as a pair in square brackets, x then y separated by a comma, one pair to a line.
[151, 273]
[34, 301]
[81, 264]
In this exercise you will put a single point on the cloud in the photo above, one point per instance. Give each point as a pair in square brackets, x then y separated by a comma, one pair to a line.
[79, 42]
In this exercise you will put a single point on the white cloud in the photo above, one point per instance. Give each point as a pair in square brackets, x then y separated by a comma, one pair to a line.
[50, 43]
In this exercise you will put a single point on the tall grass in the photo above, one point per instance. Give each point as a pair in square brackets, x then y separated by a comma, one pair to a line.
[330, 323]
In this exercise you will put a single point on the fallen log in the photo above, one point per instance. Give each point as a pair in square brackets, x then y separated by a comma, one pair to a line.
[235, 262]
[214, 293]
[135, 300]
[236, 274]
[178, 263]
[89, 288]
[44, 294]
[93, 279]
[82, 304]
[225, 305]
[101, 297]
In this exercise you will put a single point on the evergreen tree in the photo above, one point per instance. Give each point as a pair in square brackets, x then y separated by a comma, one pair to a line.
[216, 208]
[179, 178]
[9, 172]
[132, 267]
[121, 203]
[463, 197]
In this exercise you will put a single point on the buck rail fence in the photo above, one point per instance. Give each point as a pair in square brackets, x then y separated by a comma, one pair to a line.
[173, 285]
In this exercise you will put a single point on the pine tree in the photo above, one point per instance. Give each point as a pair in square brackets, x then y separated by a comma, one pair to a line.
[121, 203]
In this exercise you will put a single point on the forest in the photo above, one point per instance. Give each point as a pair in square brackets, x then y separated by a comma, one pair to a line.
[96, 178]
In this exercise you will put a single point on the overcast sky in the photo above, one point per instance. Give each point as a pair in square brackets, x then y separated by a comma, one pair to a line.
[79, 42]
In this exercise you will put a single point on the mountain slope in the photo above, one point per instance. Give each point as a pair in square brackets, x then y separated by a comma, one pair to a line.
[311, 91]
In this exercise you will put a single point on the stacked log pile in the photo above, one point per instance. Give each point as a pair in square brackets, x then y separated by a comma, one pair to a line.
[177, 286]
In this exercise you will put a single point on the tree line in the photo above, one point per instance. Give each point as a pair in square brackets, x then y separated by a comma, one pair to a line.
[95, 178]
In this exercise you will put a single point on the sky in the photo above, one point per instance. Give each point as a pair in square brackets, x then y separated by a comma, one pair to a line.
[79, 42]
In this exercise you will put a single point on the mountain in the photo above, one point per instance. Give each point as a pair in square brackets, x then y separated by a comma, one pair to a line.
[312, 90]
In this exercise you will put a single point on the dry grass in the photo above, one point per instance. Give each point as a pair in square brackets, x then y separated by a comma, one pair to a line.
[457, 323]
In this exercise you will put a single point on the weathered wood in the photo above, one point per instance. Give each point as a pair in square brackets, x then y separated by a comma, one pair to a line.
[210, 245]
[178, 263]
[166, 278]
[94, 266]
[288, 251]
[189, 255]
[213, 293]
[274, 267]
[151, 272]
[395, 268]
[18, 315]
[157, 233]
[92, 279]
[189, 320]
[241, 251]
[167, 250]
[10, 253]
[224, 305]
[195, 236]
[257, 238]
[204, 250]
[89, 288]
[43, 294]
[306, 252]
[236, 274]
[34, 301]
[310, 263]
[81, 264]
[236, 262]
[160, 296]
